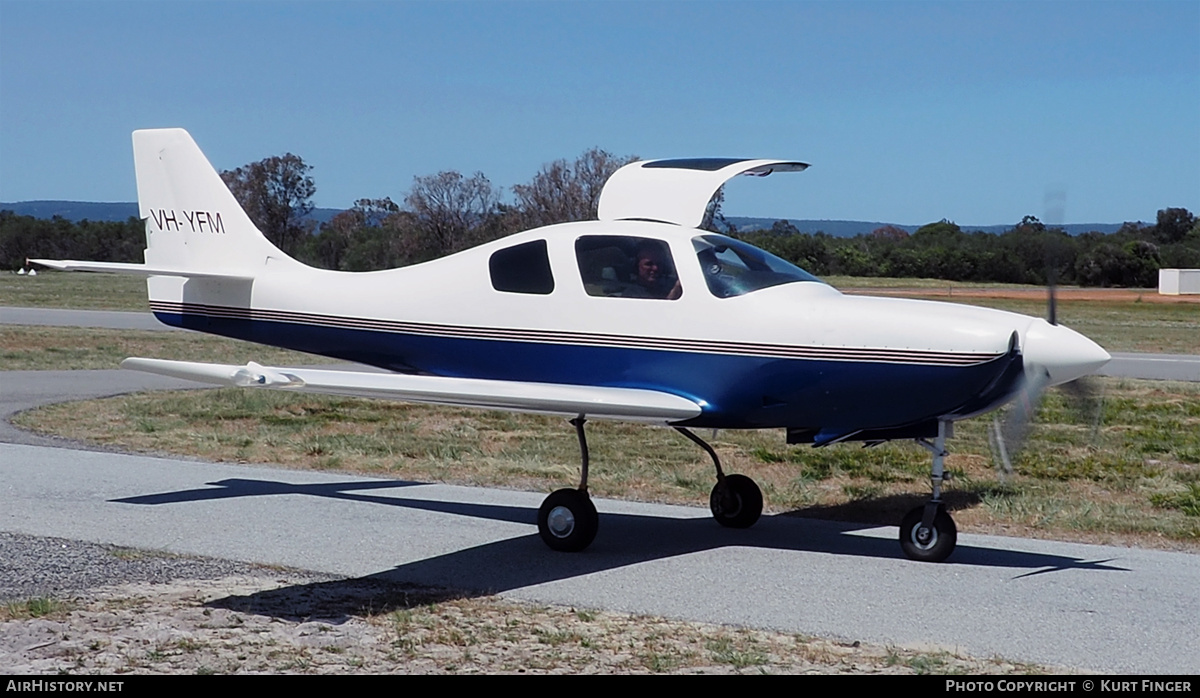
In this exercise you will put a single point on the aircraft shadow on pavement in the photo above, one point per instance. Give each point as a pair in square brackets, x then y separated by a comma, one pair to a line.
[624, 540]
[237, 487]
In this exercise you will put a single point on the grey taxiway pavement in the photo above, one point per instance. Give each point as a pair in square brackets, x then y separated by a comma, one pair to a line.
[1085, 606]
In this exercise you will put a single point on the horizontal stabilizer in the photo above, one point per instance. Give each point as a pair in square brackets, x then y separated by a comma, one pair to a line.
[132, 269]
[625, 404]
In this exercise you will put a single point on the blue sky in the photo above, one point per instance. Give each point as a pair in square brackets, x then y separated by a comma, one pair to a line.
[909, 111]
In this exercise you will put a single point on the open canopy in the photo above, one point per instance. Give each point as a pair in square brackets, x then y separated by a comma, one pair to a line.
[677, 191]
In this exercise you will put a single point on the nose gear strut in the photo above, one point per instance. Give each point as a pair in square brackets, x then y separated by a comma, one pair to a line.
[927, 533]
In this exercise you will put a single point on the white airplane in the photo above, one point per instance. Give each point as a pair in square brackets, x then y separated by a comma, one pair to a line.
[637, 316]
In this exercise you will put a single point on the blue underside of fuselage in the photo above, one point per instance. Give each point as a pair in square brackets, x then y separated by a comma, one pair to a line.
[735, 391]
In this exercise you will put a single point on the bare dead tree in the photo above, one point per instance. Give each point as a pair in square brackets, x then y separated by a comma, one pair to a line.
[277, 195]
[567, 191]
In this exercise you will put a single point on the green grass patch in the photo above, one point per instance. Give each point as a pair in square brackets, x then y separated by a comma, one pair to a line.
[37, 607]
[80, 291]
[1187, 501]
[37, 348]
[739, 653]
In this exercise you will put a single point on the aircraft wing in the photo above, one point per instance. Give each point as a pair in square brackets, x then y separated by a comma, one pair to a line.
[677, 191]
[625, 404]
[131, 269]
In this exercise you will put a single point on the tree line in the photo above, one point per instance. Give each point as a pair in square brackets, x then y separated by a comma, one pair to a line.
[446, 212]
[1028, 253]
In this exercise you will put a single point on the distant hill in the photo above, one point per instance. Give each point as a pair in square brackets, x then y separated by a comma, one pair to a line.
[73, 211]
[848, 229]
[80, 210]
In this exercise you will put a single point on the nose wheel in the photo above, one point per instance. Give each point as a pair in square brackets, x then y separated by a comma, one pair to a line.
[931, 542]
[927, 533]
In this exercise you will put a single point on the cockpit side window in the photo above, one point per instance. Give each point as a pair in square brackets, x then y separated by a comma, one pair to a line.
[733, 268]
[523, 268]
[627, 267]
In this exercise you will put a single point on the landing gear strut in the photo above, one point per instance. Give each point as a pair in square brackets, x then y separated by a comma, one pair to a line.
[567, 520]
[927, 533]
[736, 502]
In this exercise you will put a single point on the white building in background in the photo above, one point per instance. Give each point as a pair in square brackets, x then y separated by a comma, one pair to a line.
[1174, 282]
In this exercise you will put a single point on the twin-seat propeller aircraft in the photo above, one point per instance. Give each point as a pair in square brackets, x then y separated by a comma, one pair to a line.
[638, 316]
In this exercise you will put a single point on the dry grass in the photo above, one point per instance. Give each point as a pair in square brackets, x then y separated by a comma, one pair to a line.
[281, 625]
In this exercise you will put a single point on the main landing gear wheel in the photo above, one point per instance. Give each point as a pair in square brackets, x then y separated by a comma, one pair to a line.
[932, 544]
[736, 501]
[567, 520]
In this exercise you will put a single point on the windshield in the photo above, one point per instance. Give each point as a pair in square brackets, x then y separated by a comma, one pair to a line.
[733, 268]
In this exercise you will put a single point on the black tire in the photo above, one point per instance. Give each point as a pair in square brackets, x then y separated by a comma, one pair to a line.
[567, 520]
[736, 502]
[932, 545]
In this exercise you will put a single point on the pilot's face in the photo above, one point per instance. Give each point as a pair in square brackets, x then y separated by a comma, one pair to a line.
[650, 267]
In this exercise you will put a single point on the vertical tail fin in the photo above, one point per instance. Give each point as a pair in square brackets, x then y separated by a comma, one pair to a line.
[193, 222]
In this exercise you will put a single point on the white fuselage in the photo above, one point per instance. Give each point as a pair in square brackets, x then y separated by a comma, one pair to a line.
[790, 354]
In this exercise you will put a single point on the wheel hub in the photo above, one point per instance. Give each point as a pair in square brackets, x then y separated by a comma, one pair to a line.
[561, 522]
[924, 537]
[731, 504]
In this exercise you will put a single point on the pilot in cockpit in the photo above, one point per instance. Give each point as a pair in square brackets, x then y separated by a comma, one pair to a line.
[653, 274]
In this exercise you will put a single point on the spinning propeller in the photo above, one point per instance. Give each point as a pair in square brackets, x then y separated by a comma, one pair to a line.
[1054, 356]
